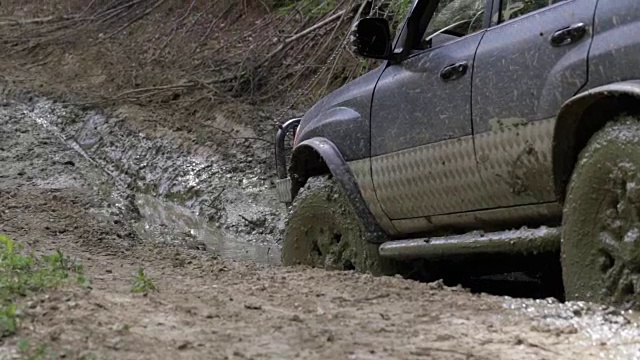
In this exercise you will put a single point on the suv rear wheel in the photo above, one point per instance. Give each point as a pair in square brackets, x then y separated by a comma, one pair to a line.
[601, 220]
[323, 230]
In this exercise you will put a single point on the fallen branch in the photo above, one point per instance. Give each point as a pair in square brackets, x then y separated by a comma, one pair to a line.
[116, 9]
[283, 46]
[308, 31]
[316, 26]
[88, 7]
[340, 49]
[135, 20]
[37, 21]
[313, 82]
[195, 21]
[120, 11]
[212, 202]
[214, 21]
[254, 223]
[153, 89]
[232, 137]
[174, 29]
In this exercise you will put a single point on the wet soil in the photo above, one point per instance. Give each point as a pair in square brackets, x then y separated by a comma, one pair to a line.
[209, 196]
[76, 180]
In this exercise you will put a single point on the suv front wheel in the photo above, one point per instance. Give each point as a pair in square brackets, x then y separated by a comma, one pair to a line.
[323, 230]
[601, 220]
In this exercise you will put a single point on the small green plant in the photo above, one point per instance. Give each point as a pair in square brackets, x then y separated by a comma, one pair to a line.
[142, 284]
[400, 8]
[29, 352]
[23, 274]
[8, 320]
[23, 346]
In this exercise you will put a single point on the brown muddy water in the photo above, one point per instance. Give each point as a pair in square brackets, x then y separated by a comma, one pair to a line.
[177, 192]
[164, 220]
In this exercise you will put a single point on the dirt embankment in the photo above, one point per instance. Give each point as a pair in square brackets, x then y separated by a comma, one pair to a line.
[255, 62]
[206, 80]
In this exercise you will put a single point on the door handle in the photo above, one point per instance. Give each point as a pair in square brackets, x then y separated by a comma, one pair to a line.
[568, 35]
[455, 71]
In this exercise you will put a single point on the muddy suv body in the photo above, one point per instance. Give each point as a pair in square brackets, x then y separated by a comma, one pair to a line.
[474, 122]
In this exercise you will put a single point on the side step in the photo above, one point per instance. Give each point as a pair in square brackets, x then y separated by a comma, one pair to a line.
[513, 242]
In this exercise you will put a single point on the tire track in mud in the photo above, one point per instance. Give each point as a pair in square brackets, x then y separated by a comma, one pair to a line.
[184, 192]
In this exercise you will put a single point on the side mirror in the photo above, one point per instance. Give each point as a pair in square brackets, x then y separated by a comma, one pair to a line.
[371, 38]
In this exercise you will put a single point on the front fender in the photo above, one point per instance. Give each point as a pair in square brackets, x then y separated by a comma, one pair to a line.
[319, 156]
[591, 109]
[347, 127]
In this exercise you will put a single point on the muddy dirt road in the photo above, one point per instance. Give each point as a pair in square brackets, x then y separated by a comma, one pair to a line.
[65, 184]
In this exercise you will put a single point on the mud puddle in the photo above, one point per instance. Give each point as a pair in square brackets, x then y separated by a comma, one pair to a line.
[177, 191]
[165, 221]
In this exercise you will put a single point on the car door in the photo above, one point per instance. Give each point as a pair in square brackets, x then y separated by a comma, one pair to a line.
[527, 66]
[421, 135]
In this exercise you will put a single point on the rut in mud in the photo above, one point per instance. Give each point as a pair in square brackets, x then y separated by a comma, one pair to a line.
[185, 193]
[59, 190]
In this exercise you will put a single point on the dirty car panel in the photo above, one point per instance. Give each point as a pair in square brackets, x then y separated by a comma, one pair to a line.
[418, 117]
[523, 76]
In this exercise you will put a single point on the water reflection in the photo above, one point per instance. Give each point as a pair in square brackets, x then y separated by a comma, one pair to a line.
[168, 222]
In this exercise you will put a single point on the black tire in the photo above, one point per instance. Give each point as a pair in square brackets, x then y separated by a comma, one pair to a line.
[323, 230]
[601, 220]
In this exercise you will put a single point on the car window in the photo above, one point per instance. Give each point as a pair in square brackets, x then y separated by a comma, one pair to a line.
[511, 9]
[401, 11]
[455, 18]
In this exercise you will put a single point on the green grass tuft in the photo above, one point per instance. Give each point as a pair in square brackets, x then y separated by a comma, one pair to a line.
[29, 352]
[142, 284]
[24, 274]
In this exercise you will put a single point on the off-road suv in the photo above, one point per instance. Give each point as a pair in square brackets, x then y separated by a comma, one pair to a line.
[495, 129]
